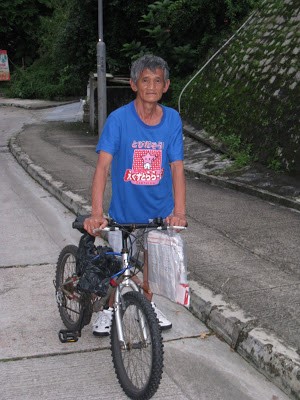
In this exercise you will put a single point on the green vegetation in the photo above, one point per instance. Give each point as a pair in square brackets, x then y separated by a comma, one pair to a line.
[58, 50]
[20, 28]
[251, 124]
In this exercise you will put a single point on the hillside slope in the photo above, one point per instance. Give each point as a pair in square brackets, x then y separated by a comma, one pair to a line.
[250, 91]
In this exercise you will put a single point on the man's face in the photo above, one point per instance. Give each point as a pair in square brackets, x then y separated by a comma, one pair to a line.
[150, 85]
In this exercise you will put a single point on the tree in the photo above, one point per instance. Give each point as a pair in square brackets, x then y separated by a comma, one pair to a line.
[183, 31]
[20, 22]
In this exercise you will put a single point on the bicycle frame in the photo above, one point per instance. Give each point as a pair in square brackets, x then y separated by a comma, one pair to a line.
[122, 279]
[125, 283]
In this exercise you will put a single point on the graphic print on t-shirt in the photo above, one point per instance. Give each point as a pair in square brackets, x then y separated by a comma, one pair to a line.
[146, 166]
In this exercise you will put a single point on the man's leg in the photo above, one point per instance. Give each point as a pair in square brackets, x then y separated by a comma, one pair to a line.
[145, 286]
[163, 321]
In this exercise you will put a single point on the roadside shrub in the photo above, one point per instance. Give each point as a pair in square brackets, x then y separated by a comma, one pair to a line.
[42, 81]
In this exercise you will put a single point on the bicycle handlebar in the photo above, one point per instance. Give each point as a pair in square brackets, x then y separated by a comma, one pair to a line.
[157, 223]
[138, 226]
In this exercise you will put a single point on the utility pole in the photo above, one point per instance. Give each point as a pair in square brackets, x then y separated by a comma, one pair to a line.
[101, 71]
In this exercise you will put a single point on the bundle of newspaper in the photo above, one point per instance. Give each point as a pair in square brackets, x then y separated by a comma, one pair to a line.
[168, 266]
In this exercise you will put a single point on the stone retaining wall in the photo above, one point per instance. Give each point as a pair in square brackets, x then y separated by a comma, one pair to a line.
[251, 89]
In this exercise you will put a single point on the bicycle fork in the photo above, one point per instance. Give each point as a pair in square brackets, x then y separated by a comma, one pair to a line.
[119, 306]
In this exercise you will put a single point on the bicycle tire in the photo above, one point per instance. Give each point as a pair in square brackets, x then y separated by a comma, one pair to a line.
[75, 313]
[138, 368]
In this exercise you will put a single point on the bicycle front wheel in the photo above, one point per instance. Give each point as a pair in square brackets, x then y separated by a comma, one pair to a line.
[138, 364]
[74, 308]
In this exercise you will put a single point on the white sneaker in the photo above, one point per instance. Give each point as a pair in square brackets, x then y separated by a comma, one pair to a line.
[162, 320]
[102, 324]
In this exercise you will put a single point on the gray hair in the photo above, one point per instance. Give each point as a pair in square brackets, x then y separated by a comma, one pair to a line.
[148, 62]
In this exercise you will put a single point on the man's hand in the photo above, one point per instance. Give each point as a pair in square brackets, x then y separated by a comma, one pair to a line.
[176, 220]
[95, 222]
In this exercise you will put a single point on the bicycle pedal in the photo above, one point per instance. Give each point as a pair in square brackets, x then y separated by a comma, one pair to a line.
[68, 336]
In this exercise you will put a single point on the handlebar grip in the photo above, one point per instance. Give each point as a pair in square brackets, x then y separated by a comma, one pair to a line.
[78, 223]
[177, 227]
[106, 229]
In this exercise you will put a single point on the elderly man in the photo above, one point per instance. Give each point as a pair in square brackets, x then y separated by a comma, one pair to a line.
[142, 143]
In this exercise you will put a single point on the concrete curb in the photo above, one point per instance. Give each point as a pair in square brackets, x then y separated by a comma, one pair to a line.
[33, 104]
[244, 188]
[279, 363]
[74, 202]
[203, 137]
[264, 351]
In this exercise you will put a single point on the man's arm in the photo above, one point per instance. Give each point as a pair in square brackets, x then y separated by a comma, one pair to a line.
[97, 219]
[179, 188]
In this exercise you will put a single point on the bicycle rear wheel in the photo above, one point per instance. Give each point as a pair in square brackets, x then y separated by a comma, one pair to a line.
[138, 367]
[75, 309]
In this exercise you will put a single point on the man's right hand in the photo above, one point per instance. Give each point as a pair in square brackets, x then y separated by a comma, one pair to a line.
[95, 222]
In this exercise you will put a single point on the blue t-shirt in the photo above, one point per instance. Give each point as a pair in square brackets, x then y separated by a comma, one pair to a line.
[140, 171]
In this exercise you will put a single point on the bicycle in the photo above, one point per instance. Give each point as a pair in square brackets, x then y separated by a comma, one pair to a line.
[136, 340]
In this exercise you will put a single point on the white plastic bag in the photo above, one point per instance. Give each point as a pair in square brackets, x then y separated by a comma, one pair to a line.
[168, 266]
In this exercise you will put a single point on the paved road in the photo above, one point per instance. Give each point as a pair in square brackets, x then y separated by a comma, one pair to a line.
[197, 364]
[36, 224]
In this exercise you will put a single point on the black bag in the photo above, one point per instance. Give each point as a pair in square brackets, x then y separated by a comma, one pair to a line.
[94, 266]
